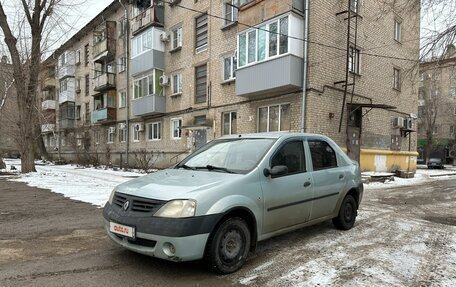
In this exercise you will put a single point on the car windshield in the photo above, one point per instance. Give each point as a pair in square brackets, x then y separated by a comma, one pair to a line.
[228, 155]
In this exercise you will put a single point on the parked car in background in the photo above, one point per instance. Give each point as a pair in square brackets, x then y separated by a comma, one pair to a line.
[435, 163]
[232, 193]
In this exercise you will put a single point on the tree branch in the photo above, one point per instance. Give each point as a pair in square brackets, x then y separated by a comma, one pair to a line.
[27, 12]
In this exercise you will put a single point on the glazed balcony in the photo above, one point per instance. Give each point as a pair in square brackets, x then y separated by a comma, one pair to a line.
[149, 105]
[104, 42]
[66, 124]
[67, 96]
[103, 115]
[48, 128]
[66, 71]
[279, 75]
[104, 82]
[48, 105]
[151, 16]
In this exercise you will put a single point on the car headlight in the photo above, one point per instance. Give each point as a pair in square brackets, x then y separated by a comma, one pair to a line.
[111, 197]
[177, 209]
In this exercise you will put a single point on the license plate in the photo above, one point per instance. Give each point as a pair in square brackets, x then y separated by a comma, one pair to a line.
[123, 230]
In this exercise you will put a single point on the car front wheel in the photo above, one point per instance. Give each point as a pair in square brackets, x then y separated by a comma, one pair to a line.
[229, 246]
[347, 214]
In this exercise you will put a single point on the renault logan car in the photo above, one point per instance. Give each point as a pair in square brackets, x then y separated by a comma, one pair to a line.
[232, 193]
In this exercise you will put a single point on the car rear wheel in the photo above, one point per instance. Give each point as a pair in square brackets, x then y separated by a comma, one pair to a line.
[228, 246]
[347, 214]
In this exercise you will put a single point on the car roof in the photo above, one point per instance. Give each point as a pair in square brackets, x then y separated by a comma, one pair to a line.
[273, 135]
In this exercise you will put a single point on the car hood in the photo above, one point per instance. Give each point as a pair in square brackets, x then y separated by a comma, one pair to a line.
[175, 183]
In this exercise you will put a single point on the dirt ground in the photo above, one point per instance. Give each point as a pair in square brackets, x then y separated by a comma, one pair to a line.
[404, 236]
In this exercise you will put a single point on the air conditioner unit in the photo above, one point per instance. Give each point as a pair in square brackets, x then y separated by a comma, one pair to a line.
[122, 126]
[112, 130]
[139, 127]
[408, 124]
[164, 37]
[164, 80]
[398, 122]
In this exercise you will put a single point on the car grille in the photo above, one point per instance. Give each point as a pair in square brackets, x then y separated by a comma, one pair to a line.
[139, 241]
[137, 204]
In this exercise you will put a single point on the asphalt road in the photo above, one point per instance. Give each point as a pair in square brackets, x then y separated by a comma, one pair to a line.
[403, 237]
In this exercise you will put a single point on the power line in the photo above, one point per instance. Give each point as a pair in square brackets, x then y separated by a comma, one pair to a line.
[285, 35]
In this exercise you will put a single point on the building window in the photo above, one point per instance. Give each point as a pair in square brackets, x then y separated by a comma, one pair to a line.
[87, 85]
[135, 134]
[397, 30]
[63, 85]
[454, 111]
[256, 45]
[231, 11]
[122, 99]
[229, 123]
[274, 118]
[86, 54]
[200, 84]
[201, 33]
[176, 37]
[78, 85]
[78, 56]
[435, 130]
[229, 68]
[77, 115]
[452, 130]
[148, 85]
[176, 132]
[354, 6]
[122, 26]
[122, 63]
[122, 134]
[154, 131]
[141, 43]
[62, 59]
[453, 73]
[396, 79]
[111, 134]
[177, 84]
[353, 60]
[87, 113]
[453, 92]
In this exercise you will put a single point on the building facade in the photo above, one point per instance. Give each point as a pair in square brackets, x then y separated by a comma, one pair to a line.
[437, 107]
[199, 70]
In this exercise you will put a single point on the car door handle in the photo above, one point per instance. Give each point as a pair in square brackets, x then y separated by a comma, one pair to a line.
[307, 183]
[341, 176]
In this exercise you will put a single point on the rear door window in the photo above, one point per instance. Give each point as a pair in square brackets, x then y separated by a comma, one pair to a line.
[323, 155]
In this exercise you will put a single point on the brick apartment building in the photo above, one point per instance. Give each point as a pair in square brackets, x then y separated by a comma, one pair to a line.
[202, 69]
[437, 101]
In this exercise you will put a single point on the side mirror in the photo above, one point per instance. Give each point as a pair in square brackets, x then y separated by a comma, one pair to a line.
[276, 171]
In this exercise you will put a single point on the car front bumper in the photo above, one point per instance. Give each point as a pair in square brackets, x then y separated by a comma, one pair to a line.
[155, 235]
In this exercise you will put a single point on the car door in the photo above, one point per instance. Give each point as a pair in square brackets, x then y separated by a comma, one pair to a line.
[328, 178]
[286, 197]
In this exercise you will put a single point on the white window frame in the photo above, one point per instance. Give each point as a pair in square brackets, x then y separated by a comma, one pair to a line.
[230, 12]
[263, 26]
[203, 47]
[135, 134]
[398, 30]
[176, 37]
[151, 136]
[122, 64]
[110, 140]
[230, 132]
[147, 77]
[354, 61]
[176, 77]
[138, 42]
[396, 80]
[233, 66]
[179, 121]
[123, 135]
[78, 56]
[122, 99]
[453, 91]
[280, 116]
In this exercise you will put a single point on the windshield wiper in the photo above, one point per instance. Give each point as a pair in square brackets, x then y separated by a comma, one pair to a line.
[184, 166]
[211, 167]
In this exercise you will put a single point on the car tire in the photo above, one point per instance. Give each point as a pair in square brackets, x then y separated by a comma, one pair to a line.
[228, 246]
[347, 214]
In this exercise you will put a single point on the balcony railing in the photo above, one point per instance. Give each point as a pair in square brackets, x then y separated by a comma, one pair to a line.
[149, 105]
[66, 71]
[66, 123]
[48, 105]
[104, 81]
[153, 15]
[103, 115]
[67, 96]
[47, 128]
[48, 83]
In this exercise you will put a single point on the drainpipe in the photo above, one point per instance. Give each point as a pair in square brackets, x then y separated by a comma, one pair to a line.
[304, 78]
[127, 72]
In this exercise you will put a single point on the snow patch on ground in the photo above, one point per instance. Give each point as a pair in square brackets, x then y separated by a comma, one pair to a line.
[91, 185]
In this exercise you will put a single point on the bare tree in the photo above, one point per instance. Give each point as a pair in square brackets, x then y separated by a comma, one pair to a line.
[429, 113]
